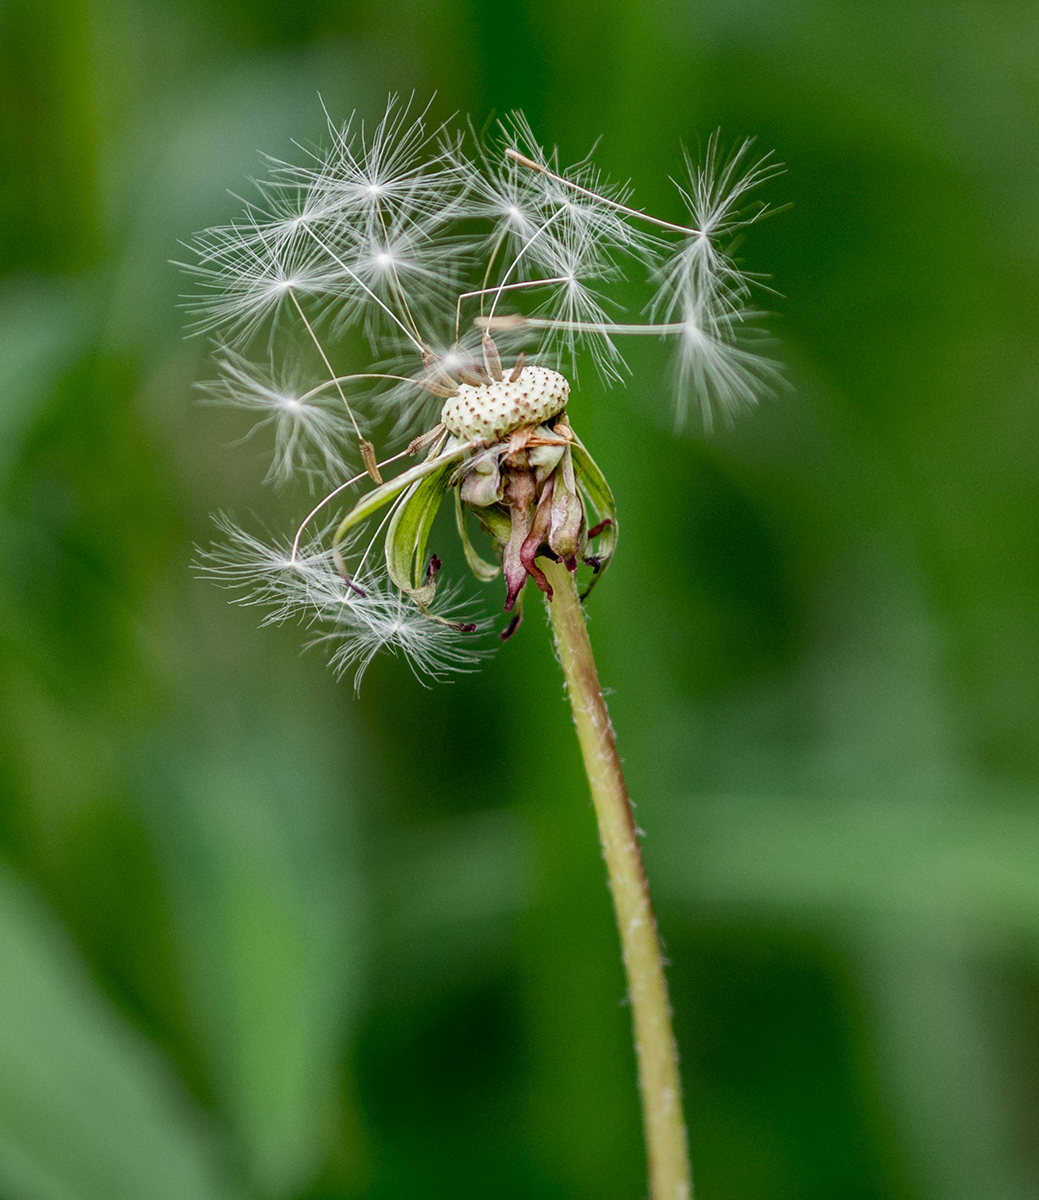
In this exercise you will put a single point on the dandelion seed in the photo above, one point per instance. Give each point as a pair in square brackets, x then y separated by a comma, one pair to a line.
[384, 620]
[353, 622]
[714, 362]
[311, 429]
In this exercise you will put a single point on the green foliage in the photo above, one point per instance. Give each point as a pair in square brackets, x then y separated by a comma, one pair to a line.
[87, 1108]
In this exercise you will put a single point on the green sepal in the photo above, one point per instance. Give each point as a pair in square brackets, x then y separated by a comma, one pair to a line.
[383, 494]
[597, 492]
[495, 522]
[481, 568]
[568, 511]
[408, 531]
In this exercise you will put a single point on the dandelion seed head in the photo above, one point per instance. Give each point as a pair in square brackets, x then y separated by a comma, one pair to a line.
[473, 271]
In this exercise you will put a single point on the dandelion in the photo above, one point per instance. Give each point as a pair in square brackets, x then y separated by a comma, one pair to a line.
[479, 276]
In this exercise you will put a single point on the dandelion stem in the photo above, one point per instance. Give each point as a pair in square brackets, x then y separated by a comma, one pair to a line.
[655, 1048]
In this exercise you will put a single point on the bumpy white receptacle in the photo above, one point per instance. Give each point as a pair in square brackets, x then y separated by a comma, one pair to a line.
[493, 410]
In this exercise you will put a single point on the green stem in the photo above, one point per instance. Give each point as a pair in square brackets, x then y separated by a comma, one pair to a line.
[655, 1048]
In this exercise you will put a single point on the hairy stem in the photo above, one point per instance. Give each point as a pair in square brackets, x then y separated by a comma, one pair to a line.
[655, 1048]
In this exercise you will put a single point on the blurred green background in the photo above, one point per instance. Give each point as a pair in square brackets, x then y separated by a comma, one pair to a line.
[259, 939]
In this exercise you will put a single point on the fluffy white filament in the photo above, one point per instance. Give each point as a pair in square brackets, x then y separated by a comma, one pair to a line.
[352, 620]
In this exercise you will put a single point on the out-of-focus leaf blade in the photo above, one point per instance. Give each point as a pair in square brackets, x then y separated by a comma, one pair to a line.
[265, 908]
[40, 329]
[875, 861]
[87, 1110]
